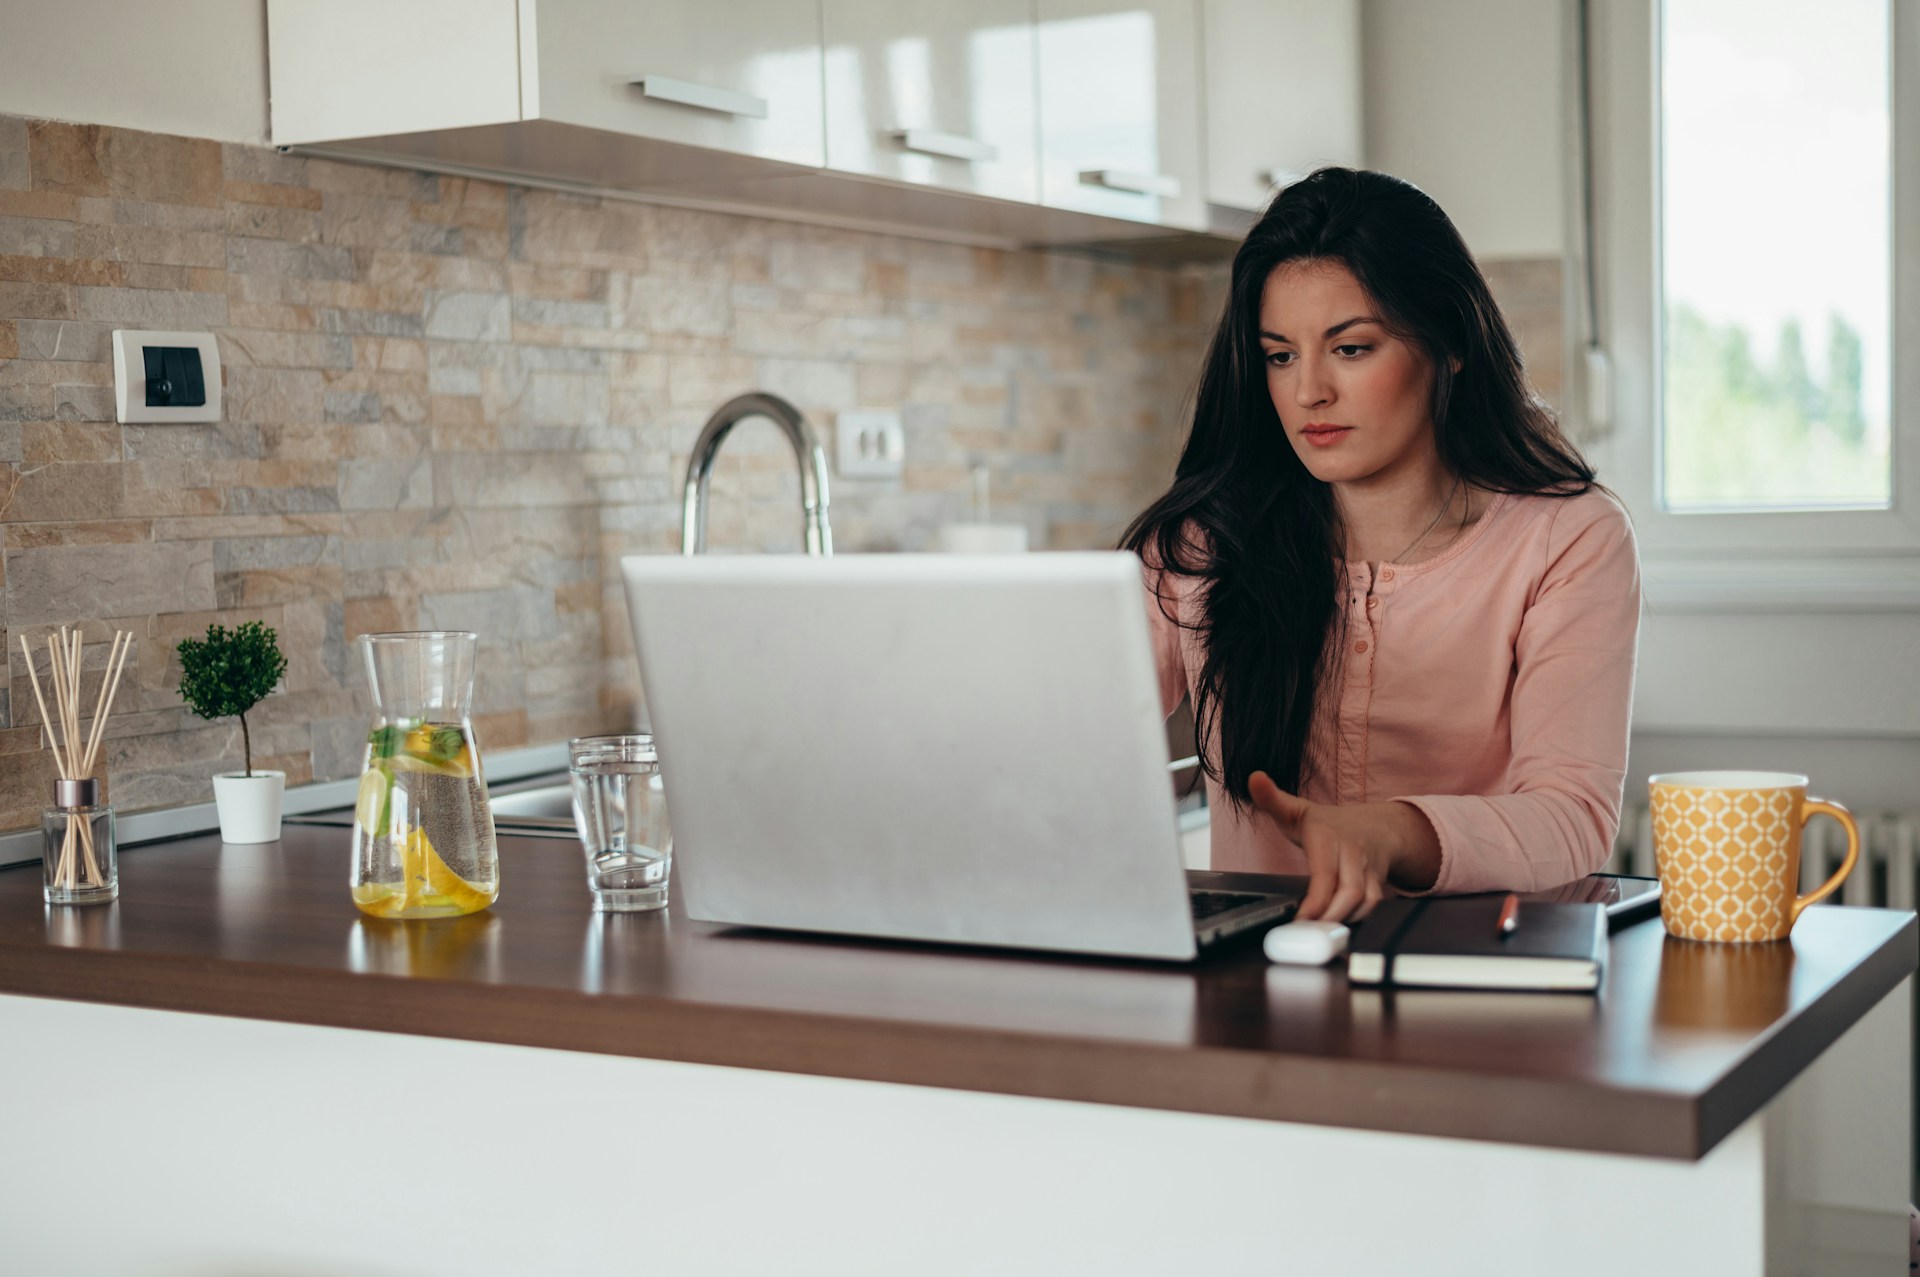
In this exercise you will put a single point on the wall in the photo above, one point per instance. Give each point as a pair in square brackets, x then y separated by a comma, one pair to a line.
[453, 404]
[193, 67]
[1463, 99]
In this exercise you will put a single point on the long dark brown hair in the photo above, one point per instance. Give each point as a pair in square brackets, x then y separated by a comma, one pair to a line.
[1246, 517]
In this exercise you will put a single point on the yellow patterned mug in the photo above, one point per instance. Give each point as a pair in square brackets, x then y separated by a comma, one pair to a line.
[1728, 849]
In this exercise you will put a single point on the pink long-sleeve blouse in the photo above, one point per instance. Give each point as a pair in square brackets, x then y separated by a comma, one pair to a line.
[1489, 686]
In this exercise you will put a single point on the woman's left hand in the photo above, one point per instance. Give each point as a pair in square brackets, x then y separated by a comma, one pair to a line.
[1353, 852]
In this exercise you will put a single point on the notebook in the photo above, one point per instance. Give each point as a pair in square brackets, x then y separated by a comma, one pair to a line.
[1457, 943]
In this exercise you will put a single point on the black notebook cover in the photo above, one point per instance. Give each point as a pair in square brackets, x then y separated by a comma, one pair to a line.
[1457, 943]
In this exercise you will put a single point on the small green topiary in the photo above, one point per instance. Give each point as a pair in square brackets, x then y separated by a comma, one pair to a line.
[229, 673]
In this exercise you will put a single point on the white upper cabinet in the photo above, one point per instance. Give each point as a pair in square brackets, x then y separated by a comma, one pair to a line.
[934, 93]
[743, 76]
[1120, 109]
[1080, 120]
[365, 68]
[1283, 93]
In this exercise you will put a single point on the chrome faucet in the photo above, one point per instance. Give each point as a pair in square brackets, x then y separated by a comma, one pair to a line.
[806, 448]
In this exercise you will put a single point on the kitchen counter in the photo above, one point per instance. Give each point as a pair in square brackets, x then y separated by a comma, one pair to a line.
[1688, 1044]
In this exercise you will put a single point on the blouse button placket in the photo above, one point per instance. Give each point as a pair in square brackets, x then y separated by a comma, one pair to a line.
[1356, 694]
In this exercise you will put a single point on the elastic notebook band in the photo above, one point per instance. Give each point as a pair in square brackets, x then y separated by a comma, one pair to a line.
[1391, 948]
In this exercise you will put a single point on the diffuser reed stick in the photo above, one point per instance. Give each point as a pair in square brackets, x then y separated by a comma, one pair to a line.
[75, 757]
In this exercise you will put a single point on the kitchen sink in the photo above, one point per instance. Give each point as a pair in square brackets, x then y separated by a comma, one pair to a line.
[547, 802]
[551, 805]
[542, 810]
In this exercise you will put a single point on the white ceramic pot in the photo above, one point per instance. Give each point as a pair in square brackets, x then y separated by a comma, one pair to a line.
[249, 805]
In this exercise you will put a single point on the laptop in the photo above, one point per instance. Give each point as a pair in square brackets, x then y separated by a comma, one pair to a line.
[961, 749]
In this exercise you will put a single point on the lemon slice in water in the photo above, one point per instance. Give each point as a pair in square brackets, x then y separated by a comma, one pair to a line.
[432, 883]
[370, 804]
[455, 766]
[428, 886]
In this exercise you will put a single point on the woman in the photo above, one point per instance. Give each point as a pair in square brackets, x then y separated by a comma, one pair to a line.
[1403, 609]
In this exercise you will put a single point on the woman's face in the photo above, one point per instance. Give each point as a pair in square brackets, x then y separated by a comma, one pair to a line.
[1353, 398]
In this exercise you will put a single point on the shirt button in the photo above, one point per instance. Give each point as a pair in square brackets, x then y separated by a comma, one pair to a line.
[1361, 646]
[1386, 574]
[1373, 602]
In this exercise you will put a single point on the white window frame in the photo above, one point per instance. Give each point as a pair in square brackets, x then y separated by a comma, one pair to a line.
[1865, 560]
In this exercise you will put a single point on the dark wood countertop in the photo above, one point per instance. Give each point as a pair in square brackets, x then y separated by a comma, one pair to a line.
[1686, 1042]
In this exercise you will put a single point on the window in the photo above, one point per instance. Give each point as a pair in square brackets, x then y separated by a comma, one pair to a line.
[1776, 287]
[1756, 207]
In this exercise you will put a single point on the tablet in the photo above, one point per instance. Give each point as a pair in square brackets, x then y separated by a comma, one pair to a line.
[1627, 899]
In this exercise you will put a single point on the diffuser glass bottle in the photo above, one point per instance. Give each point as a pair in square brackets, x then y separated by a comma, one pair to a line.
[80, 861]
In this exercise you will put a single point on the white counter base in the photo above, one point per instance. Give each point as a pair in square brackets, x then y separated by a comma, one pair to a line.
[157, 1144]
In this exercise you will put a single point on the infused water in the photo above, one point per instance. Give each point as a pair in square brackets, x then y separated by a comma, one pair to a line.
[422, 831]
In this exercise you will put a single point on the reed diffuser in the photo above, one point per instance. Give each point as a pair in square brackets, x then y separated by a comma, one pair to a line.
[80, 858]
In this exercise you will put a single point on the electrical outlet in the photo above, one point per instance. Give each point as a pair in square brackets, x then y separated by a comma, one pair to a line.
[870, 444]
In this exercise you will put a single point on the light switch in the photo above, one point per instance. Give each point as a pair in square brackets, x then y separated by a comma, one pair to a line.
[165, 376]
[174, 379]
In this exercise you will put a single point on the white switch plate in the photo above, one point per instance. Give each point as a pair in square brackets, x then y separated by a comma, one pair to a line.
[870, 444]
[130, 376]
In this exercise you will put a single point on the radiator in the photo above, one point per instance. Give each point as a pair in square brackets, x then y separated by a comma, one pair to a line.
[1884, 876]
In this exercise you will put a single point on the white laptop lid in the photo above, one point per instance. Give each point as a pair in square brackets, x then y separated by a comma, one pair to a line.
[956, 748]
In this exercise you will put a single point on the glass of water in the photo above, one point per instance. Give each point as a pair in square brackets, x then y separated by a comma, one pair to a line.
[621, 814]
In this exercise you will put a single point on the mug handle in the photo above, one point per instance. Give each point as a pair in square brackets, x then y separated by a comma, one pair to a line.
[1817, 807]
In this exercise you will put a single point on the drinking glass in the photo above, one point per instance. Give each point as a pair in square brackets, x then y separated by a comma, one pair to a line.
[621, 814]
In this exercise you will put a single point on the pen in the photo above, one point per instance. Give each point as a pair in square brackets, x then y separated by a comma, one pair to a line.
[1509, 915]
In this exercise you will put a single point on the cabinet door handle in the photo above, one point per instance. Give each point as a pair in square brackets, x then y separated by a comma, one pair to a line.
[1280, 176]
[951, 145]
[703, 97]
[1161, 184]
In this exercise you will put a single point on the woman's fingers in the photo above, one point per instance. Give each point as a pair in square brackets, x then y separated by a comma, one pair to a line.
[1351, 887]
[1376, 892]
[1323, 877]
[1341, 879]
[1342, 887]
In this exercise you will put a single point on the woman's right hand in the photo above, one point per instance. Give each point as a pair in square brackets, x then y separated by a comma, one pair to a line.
[1353, 852]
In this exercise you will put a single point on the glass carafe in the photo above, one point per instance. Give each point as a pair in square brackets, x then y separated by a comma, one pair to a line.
[422, 831]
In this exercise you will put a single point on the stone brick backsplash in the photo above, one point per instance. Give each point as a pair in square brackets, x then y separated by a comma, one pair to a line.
[454, 404]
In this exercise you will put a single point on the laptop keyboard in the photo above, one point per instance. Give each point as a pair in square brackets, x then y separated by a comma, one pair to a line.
[1208, 903]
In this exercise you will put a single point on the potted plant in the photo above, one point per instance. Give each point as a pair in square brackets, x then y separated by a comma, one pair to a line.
[226, 674]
